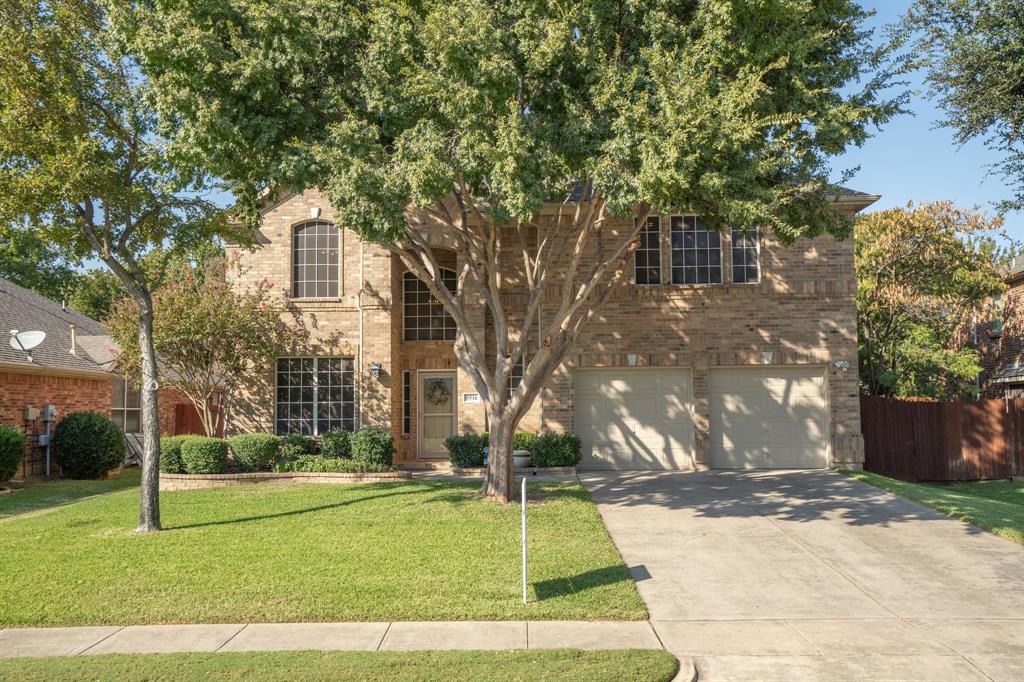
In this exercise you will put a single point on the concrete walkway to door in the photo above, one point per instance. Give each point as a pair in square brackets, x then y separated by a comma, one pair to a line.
[810, 575]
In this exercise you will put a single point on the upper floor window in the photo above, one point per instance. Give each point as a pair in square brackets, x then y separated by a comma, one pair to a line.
[126, 407]
[425, 317]
[696, 252]
[746, 266]
[647, 260]
[316, 246]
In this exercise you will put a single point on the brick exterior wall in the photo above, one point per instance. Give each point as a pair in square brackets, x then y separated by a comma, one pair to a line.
[1005, 350]
[802, 312]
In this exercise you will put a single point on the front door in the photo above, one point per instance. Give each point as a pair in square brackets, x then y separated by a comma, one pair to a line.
[436, 413]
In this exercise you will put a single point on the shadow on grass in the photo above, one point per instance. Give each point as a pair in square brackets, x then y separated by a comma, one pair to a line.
[44, 495]
[598, 577]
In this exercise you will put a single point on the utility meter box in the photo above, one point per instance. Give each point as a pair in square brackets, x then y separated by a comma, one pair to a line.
[31, 414]
[44, 439]
[49, 413]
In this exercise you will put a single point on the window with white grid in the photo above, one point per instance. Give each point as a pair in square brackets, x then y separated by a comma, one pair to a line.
[746, 262]
[647, 260]
[315, 395]
[515, 377]
[316, 248]
[425, 317]
[696, 252]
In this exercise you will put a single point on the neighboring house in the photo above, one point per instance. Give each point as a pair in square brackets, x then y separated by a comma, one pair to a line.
[725, 350]
[1000, 341]
[72, 370]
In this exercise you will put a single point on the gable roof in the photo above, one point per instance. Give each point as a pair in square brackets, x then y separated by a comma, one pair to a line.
[26, 310]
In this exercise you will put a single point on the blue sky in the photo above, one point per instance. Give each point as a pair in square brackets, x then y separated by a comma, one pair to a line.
[911, 159]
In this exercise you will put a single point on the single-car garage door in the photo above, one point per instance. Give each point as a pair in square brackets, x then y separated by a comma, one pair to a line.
[769, 418]
[630, 418]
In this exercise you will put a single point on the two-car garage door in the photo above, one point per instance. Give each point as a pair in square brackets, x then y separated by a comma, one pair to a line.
[760, 417]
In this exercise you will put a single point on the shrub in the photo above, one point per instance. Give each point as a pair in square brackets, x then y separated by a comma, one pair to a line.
[556, 450]
[254, 451]
[204, 455]
[371, 445]
[87, 445]
[522, 440]
[170, 454]
[12, 450]
[296, 445]
[336, 443]
[467, 450]
[329, 465]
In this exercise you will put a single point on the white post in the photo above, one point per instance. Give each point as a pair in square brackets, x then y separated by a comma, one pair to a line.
[523, 498]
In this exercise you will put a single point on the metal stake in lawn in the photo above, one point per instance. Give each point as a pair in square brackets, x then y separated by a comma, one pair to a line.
[523, 498]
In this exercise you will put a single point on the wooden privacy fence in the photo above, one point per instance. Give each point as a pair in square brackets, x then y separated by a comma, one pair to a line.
[943, 441]
[188, 421]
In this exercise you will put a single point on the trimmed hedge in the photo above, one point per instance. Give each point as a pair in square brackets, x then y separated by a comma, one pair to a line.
[523, 440]
[296, 445]
[12, 450]
[87, 445]
[329, 465]
[466, 451]
[170, 454]
[373, 446]
[254, 451]
[556, 450]
[203, 455]
[336, 443]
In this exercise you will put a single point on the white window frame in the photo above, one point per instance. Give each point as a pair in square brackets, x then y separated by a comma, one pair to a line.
[124, 409]
[407, 277]
[756, 233]
[315, 430]
[658, 267]
[293, 250]
[697, 249]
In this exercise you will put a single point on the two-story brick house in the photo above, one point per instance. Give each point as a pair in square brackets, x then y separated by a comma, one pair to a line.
[1000, 341]
[725, 350]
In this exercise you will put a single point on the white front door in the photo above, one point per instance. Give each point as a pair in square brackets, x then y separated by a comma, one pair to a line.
[437, 415]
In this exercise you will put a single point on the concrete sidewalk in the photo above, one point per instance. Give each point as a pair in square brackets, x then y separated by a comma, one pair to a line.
[395, 636]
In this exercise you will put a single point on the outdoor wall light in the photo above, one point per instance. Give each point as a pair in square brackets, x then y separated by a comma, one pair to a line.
[842, 365]
[375, 369]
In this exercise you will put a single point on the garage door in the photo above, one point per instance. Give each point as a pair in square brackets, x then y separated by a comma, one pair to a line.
[769, 418]
[634, 418]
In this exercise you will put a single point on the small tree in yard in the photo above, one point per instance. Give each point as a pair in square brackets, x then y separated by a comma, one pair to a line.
[454, 122]
[206, 333]
[924, 276]
[79, 157]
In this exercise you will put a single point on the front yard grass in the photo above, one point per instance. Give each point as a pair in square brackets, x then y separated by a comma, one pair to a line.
[411, 550]
[996, 506]
[446, 666]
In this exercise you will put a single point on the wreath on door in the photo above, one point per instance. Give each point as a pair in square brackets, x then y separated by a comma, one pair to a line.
[438, 392]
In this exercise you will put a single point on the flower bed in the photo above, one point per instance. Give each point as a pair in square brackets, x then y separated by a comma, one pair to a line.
[197, 481]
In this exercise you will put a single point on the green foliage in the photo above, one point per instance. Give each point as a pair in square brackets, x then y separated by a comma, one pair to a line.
[336, 443]
[30, 261]
[975, 53]
[523, 440]
[170, 454]
[295, 445]
[466, 451]
[330, 465]
[925, 274]
[254, 451]
[373, 446]
[87, 445]
[12, 449]
[556, 450]
[95, 292]
[204, 455]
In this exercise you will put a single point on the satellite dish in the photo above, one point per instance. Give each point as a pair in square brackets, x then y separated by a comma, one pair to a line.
[26, 341]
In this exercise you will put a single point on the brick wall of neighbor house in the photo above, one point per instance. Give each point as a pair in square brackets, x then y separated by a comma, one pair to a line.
[802, 312]
[1006, 349]
[68, 393]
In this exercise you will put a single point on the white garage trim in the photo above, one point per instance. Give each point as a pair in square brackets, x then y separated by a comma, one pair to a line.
[634, 417]
[769, 417]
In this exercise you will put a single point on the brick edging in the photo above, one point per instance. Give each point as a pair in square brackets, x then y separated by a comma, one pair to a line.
[197, 481]
[479, 471]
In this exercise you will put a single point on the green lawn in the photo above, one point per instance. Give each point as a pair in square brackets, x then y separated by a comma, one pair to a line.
[997, 506]
[446, 666]
[411, 550]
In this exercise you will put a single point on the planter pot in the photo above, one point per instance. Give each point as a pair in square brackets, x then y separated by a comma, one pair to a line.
[521, 458]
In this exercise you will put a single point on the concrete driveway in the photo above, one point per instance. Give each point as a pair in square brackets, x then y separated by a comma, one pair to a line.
[814, 576]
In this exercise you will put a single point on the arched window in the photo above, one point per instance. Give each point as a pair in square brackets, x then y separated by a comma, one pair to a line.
[425, 317]
[316, 246]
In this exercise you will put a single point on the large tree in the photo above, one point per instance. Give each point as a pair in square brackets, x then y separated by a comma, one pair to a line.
[30, 261]
[80, 159]
[453, 122]
[925, 276]
[974, 53]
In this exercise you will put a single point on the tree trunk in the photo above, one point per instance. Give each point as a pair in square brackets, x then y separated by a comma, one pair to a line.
[149, 502]
[499, 479]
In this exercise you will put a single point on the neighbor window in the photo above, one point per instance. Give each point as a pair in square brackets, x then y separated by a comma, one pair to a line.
[316, 246]
[126, 407]
[647, 260]
[315, 395]
[515, 377]
[745, 251]
[696, 252]
[425, 317]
